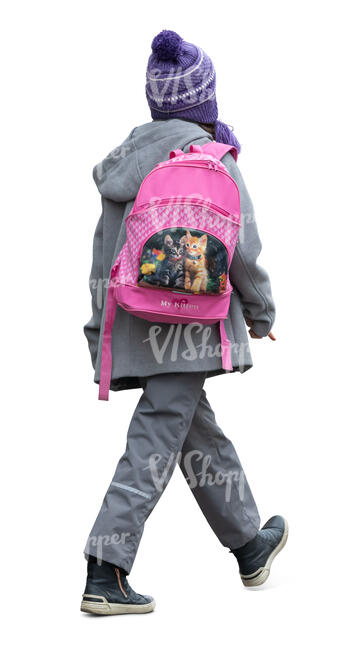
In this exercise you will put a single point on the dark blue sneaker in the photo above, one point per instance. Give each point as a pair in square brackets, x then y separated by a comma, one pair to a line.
[107, 592]
[256, 557]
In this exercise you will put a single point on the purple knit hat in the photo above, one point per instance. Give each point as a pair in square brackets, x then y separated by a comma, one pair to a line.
[181, 82]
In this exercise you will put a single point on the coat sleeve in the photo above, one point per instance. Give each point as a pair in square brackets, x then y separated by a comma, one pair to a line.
[92, 328]
[104, 244]
[249, 279]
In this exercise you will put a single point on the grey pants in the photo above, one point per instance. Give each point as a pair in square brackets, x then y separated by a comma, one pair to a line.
[173, 423]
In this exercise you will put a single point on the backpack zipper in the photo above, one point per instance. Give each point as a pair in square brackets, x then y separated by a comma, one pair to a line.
[210, 164]
[171, 202]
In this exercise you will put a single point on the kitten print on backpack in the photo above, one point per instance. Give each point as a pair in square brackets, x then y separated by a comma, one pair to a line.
[196, 274]
[184, 260]
[170, 272]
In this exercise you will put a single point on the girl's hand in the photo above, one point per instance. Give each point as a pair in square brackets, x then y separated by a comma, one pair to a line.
[253, 334]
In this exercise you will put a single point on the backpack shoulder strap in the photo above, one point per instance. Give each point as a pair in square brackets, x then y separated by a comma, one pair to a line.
[218, 149]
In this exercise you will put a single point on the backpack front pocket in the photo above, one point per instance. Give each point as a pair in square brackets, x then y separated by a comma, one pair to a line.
[184, 259]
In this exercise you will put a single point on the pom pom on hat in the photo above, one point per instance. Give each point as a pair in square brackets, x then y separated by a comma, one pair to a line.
[167, 45]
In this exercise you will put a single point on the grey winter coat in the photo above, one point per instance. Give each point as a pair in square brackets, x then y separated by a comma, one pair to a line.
[139, 347]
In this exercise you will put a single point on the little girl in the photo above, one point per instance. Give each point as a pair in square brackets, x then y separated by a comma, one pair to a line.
[173, 421]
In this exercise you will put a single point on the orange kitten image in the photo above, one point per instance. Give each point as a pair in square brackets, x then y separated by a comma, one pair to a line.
[196, 274]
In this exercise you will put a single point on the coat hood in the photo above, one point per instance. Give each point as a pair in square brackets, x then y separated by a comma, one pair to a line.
[119, 175]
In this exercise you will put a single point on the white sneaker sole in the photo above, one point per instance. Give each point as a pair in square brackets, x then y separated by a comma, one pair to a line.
[260, 576]
[105, 608]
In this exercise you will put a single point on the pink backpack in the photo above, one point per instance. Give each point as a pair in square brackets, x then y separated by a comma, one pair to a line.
[181, 236]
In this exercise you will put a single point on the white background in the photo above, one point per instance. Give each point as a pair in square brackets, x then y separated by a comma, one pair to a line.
[73, 82]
